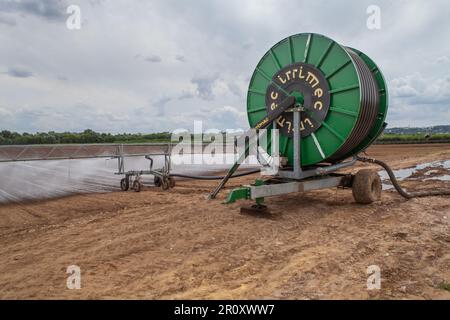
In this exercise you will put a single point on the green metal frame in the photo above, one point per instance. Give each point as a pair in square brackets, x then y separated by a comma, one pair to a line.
[241, 193]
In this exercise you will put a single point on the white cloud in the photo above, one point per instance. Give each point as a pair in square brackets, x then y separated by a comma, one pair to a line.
[18, 72]
[442, 60]
[5, 113]
[418, 89]
[417, 100]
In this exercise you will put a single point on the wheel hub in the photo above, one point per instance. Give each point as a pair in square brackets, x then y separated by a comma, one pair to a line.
[310, 89]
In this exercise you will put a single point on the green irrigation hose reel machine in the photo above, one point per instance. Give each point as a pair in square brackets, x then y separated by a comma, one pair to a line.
[329, 103]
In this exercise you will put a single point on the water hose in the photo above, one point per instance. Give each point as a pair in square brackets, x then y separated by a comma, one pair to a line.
[403, 192]
[213, 177]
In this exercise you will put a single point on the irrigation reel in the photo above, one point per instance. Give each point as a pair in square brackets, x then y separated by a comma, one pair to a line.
[329, 103]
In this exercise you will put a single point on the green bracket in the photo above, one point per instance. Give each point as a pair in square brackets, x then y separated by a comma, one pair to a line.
[243, 193]
[238, 194]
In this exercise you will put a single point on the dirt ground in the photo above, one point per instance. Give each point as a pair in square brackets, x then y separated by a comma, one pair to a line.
[178, 245]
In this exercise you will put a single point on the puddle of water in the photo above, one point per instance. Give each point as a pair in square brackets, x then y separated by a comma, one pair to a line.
[386, 186]
[402, 174]
[445, 177]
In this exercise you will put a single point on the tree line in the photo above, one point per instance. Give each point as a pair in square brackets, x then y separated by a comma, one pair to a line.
[87, 136]
[90, 136]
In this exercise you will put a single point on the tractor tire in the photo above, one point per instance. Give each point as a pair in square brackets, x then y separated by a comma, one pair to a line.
[137, 186]
[125, 184]
[366, 187]
[165, 184]
[157, 181]
[171, 182]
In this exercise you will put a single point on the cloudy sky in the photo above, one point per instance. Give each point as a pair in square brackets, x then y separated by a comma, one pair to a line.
[149, 66]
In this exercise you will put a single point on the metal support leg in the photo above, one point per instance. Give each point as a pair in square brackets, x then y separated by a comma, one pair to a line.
[120, 160]
[297, 172]
[120, 165]
[297, 157]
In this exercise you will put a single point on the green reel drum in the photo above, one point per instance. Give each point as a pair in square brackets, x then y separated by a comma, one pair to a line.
[342, 91]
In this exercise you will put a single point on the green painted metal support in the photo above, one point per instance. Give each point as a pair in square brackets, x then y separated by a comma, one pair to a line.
[242, 193]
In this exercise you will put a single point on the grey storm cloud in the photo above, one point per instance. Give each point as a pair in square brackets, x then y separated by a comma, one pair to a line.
[48, 9]
[75, 117]
[160, 106]
[234, 88]
[153, 58]
[185, 95]
[7, 20]
[180, 58]
[204, 86]
[18, 72]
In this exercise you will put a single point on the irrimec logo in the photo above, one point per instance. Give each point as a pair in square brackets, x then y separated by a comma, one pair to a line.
[310, 88]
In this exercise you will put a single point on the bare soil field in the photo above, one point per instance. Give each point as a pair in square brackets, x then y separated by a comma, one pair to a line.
[177, 244]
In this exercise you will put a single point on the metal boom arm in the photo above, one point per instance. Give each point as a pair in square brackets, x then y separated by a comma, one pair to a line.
[262, 124]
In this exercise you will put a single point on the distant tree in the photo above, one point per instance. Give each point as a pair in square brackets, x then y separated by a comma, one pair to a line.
[6, 134]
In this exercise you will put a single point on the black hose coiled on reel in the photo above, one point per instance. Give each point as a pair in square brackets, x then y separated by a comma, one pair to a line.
[370, 105]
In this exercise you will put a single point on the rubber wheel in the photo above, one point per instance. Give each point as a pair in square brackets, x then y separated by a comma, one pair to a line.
[157, 181]
[137, 186]
[165, 184]
[171, 182]
[366, 186]
[124, 184]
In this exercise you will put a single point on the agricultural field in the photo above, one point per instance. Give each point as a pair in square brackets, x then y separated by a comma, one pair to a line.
[178, 245]
[413, 138]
